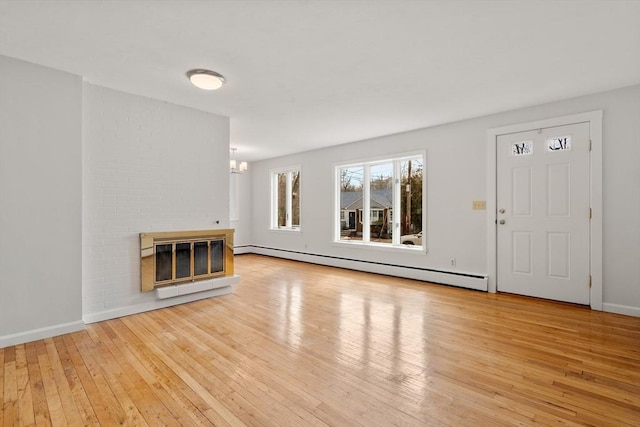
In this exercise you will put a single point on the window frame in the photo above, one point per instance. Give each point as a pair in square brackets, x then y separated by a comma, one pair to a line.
[395, 160]
[289, 170]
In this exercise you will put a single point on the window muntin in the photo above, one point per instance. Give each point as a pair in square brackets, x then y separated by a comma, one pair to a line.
[285, 199]
[370, 192]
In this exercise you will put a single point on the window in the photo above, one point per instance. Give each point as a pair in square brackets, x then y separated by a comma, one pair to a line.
[368, 195]
[285, 199]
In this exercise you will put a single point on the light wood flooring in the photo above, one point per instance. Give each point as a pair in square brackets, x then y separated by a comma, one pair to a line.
[298, 344]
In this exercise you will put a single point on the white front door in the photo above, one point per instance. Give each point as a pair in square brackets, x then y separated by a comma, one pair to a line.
[543, 213]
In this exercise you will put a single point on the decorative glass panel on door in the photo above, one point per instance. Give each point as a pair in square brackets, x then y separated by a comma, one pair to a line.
[522, 148]
[559, 143]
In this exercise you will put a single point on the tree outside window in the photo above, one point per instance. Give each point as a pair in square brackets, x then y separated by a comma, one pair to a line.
[381, 202]
[286, 199]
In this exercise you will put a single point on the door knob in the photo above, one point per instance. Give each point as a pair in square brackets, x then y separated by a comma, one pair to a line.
[502, 221]
[501, 211]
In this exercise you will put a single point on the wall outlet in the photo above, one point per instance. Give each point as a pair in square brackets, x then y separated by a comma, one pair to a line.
[453, 262]
[479, 205]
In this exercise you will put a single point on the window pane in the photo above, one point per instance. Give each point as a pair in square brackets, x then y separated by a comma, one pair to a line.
[411, 201]
[282, 199]
[286, 199]
[295, 199]
[351, 202]
[381, 202]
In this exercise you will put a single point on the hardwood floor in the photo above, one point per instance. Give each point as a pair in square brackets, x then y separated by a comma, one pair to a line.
[298, 344]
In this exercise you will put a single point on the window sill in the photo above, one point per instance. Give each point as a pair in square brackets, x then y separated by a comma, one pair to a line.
[406, 249]
[286, 230]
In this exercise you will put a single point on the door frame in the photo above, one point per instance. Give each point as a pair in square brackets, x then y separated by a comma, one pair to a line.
[594, 118]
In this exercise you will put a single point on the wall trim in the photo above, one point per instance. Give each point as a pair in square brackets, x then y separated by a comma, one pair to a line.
[594, 118]
[621, 309]
[41, 333]
[160, 303]
[464, 280]
[242, 249]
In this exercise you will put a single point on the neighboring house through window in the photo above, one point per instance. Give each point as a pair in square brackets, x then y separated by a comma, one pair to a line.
[285, 191]
[370, 192]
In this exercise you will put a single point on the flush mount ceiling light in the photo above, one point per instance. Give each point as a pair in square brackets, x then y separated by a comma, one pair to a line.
[205, 79]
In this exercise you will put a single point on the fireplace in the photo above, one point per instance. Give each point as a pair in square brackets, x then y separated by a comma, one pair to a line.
[181, 257]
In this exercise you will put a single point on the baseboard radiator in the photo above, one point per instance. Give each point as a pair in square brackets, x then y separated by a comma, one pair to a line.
[452, 278]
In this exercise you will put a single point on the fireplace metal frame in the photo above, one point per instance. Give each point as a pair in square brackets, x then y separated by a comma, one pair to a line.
[149, 242]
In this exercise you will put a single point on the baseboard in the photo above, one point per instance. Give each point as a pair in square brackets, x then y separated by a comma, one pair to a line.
[161, 303]
[621, 309]
[463, 280]
[41, 333]
[242, 249]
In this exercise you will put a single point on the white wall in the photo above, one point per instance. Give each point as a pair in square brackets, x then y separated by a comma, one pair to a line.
[456, 175]
[147, 166]
[40, 202]
[79, 182]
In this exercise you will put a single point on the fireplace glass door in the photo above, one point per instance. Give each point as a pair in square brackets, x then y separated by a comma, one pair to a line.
[188, 260]
[200, 258]
[164, 262]
[183, 260]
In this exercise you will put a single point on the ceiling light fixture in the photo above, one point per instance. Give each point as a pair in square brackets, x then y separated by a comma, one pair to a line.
[205, 79]
[235, 166]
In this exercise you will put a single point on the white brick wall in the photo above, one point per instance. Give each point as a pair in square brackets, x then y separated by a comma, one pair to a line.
[147, 166]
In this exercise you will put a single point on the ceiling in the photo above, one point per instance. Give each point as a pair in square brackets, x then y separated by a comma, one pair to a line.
[308, 74]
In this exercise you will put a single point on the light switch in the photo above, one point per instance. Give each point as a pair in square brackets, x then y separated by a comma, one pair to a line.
[479, 205]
